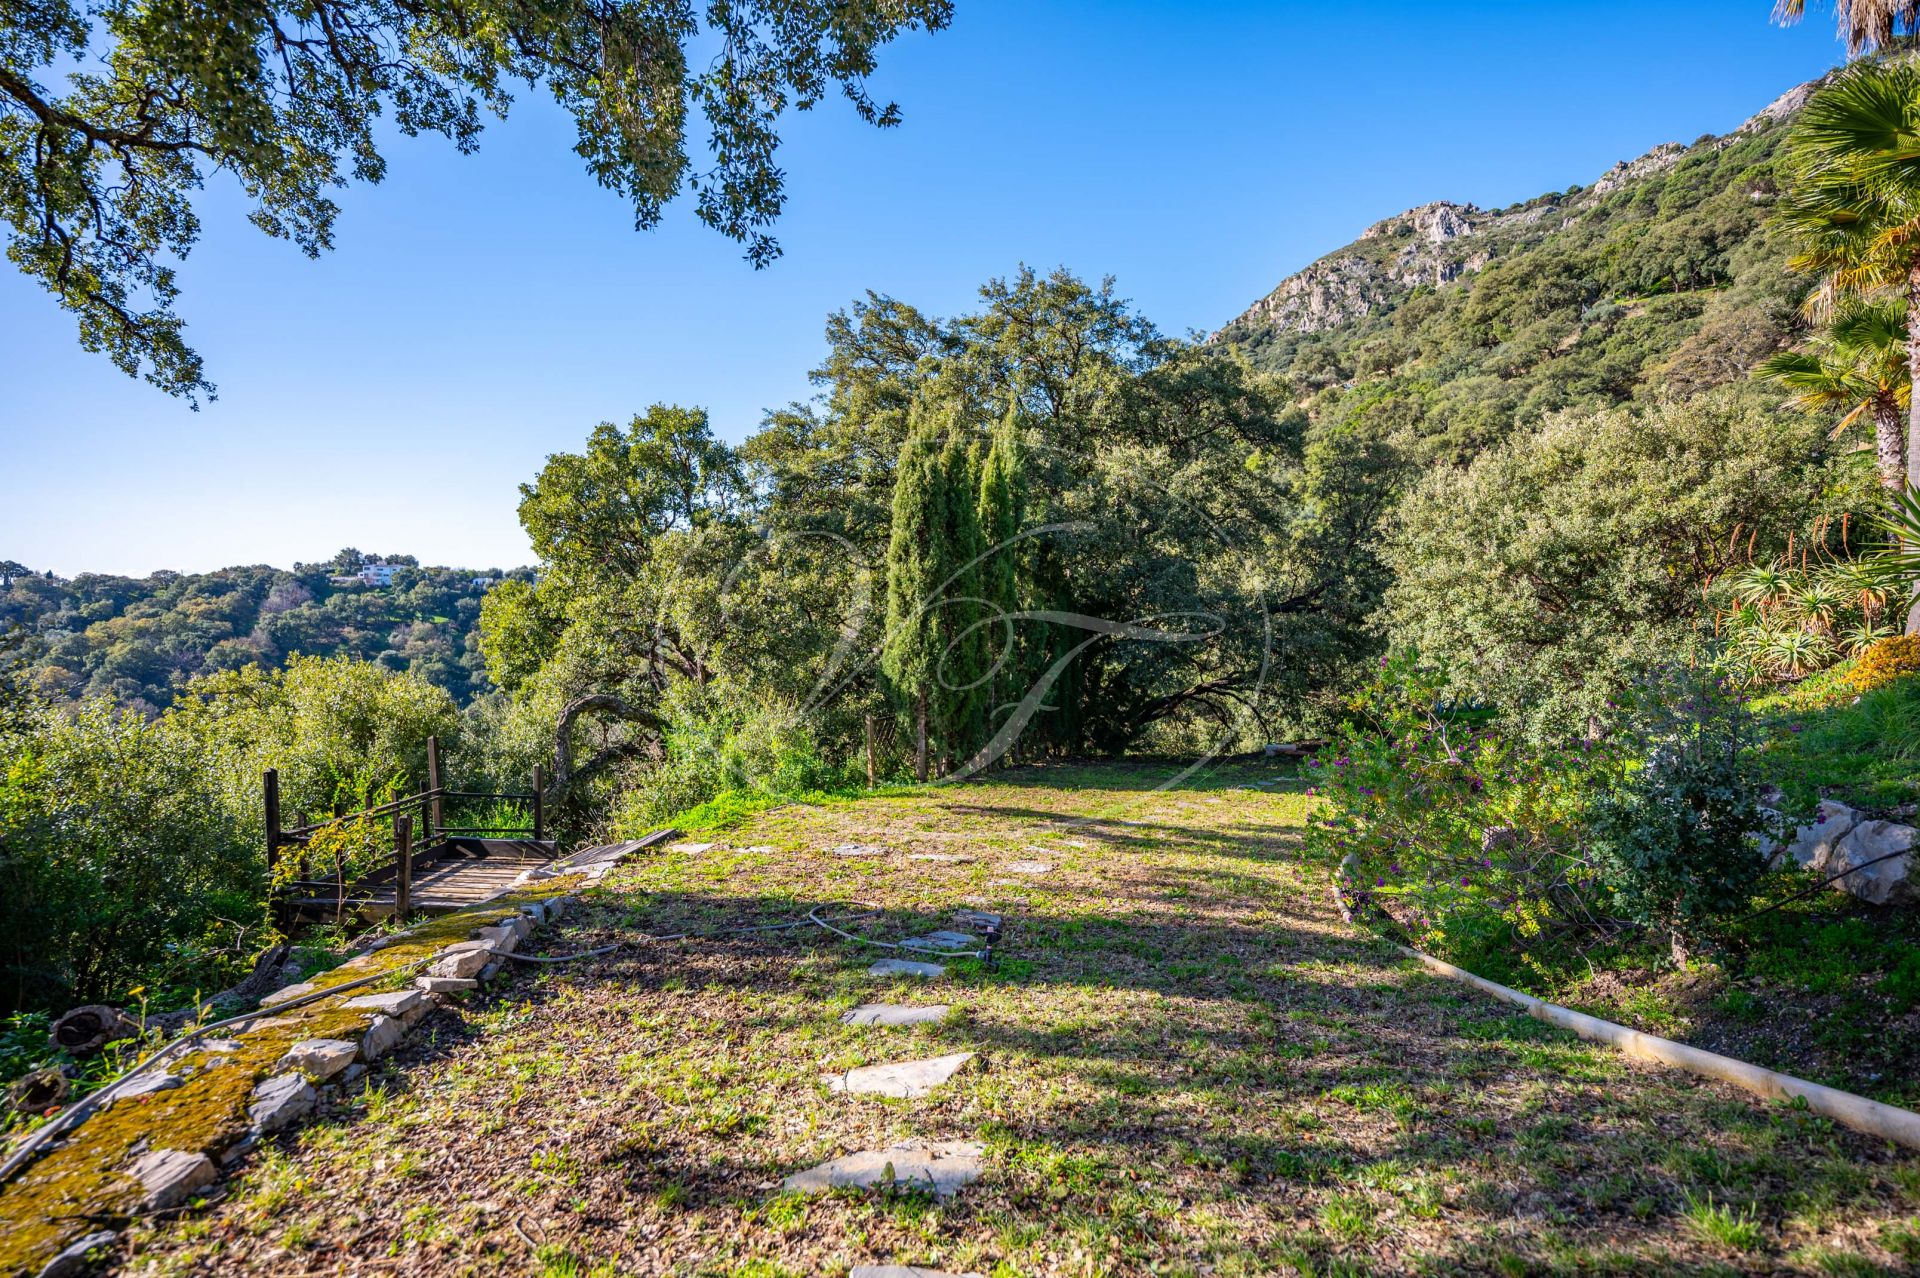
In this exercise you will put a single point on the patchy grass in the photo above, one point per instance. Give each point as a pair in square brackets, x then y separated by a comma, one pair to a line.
[1186, 1065]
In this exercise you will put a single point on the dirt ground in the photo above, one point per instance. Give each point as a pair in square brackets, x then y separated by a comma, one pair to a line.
[1185, 1065]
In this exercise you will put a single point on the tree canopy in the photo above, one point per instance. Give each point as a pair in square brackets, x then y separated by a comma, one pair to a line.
[97, 178]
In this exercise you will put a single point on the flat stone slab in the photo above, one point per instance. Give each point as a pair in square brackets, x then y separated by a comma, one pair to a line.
[906, 967]
[1028, 867]
[460, 963]
[280, 1101]
[170, 1176]
[906, 1080]
[690, 847]
[893, 1014]
[903, 1271]
[287, 994]
[943, 941]
[944, 858]
[976, 918]
[858, 849]
[944, 1167]
[398, 1003]
[320, 1057]
[381, 1037]
[445, 984]
[148, 1084]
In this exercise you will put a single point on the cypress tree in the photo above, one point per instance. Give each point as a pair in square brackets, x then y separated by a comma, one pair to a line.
[964, 650]
[1001, 512]
[911, 649]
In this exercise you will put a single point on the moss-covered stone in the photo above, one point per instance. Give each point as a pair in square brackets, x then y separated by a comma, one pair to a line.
[71, 1191]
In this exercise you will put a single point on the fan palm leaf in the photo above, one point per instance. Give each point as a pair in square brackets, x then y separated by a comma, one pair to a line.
[1864, 24]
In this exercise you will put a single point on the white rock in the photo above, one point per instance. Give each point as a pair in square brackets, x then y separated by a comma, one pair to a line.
[943, 1167]
[1028, 867]
[536, 911]
[396, 1003]
[893, 1014]
[322, 1058]
[169, 1176]
[905, 967]
[694, 848]
[288, 993]
[904, 1080]
[459, 964]
[976, 918]
[445, 984]
[503, 940]
[281, 1100]
[903, 1271]
[380, 1038]
[945, 858]
[221, 1045]
[1813, 843]
[859, 849]
[1887, 883]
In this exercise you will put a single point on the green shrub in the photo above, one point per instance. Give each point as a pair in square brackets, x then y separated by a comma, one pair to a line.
[1678, 837]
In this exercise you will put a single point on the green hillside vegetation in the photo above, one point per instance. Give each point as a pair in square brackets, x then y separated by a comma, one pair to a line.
[141, 640]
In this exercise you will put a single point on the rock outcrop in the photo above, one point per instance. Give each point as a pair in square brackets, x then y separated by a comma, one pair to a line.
[1875, 856]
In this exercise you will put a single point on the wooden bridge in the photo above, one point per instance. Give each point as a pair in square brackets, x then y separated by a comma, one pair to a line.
[433, 867]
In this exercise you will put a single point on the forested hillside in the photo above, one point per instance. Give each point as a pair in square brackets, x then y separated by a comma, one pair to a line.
[1452, 324]
[139, 640]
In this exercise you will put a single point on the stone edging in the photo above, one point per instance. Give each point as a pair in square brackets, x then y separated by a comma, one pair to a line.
[1875, 1118]
[174, 1130]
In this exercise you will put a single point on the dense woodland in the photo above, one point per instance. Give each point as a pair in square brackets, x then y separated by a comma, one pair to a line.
[140, 640]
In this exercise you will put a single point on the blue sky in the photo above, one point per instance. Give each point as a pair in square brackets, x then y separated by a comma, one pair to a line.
[482, 312]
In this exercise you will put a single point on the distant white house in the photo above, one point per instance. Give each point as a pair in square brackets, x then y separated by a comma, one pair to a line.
[374, 573]
[485, 583]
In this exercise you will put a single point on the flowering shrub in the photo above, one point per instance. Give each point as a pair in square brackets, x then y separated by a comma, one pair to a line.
[1446, 829]
[1884, 662]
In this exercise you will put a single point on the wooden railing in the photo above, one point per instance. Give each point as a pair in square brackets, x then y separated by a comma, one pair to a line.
[419, 831]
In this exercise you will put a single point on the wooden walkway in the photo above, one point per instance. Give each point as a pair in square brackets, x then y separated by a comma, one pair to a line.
[472, 871]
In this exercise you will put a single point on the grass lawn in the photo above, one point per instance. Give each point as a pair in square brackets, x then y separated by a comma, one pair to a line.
[1186, 1065]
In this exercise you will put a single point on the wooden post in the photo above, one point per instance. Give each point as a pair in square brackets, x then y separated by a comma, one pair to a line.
[436, 814]
[270, 795]
[403, 852]
[869, 752]
[539, 802]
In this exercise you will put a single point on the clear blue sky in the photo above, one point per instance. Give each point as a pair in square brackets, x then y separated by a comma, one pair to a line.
[482, 312]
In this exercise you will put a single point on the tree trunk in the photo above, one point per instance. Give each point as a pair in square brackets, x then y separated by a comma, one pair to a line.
[920, 736]
[1913, 411]
[1890, 443]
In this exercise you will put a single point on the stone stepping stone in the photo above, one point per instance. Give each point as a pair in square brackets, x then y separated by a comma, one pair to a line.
[943, 941]
[903, 1271]
[906, 967]
[281, 1101]
[859, 849]
[904, 1080]
[168, 1177]
[945, 1167]
[976, 918]
[1028, 867]
[944, 858]
[320, 1057]
[893, 1014]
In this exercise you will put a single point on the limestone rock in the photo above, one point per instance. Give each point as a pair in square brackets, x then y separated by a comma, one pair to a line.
[859, 849]
[321, 1058]
[148, 1084]
[281, 1100]
[1028, 867]
[692, 849]
[72, 1262]
[459, 963]
[380, 1038]
[503, 940]
[287, 994]
[941, 1166]
[1813, 844]
[893, 1014]
[906, 1080]
[905, 967]
[170, 1176]
[941, 941]
[397, 1003]
[1887, 883]
[445, 984]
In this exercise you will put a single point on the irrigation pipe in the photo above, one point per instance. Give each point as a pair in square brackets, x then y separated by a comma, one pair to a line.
[83, 1109]
[1889, 1122]
[814, 915]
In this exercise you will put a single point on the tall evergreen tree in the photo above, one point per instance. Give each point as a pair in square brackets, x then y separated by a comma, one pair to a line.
[965, 647]
[1001, 513]
[911, 651]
